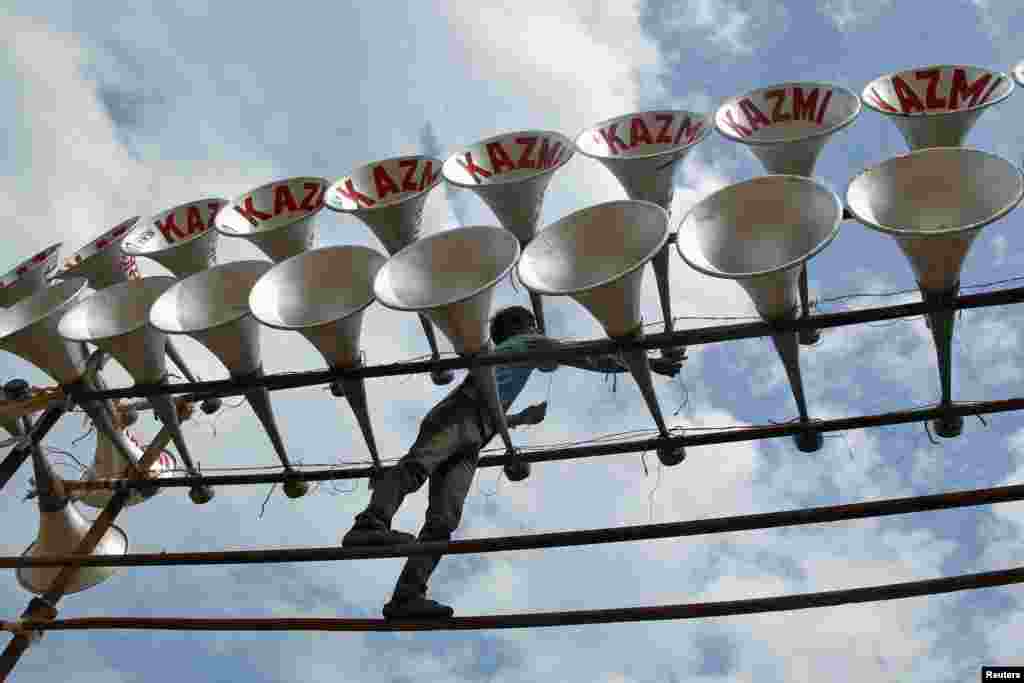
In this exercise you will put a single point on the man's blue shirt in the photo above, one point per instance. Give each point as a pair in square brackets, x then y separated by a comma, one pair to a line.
[512, 379]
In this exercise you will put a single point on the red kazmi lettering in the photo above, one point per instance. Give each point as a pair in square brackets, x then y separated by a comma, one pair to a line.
[473, 168]
[527, 144]
[611, 139]
[779, 95]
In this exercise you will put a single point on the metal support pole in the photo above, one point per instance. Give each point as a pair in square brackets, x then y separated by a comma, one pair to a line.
[45, 607]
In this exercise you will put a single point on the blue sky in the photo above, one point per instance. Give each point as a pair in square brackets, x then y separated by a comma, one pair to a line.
[113, 111]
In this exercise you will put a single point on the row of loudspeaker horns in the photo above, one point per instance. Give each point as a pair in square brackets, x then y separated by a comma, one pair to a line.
[595, 255]
[785, 125]
[786, 141]
[275, 219]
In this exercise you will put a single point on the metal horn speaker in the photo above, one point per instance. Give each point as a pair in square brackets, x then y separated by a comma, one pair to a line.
[29, 276]
[450, 276]
[61, 530]
[322, 294]
[643, 150]
[760, 233]
[108, 464]
[388, 196]
[936, 106]
[29, 329]
[1018, 73]
[786, 126]
[212, 307]
[934, 202]
[510, 173]
[279, 217]
[181, 239]
[101, 261]
[116, 320]
[597, 256]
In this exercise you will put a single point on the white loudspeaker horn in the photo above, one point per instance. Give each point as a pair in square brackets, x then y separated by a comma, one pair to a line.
[29, 329]
[760, 233]
[597, 256]
[389, 196]
[936, 106]
[643, 151]
[181, 239]
[786, 126]
[61, 530]
[108, 464]
[323, 294]
[101, 262]
[277, 217]
[450, 276]
[510, 173]
[212, 307]
[1018, 73]
[116, 320]
[29, 276]
[934, 202]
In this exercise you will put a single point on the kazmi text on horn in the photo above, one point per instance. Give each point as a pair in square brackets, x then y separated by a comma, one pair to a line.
[513, 153]
[935, 90]
[651, 129]
[408, 175]
[781, 105]
[284, 202]
[192, 223]
[35, 260]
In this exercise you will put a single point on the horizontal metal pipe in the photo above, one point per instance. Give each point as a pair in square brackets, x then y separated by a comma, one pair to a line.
[691, 337]
[596, 450]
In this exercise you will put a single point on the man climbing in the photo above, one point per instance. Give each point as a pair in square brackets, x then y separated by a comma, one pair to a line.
[447, 450]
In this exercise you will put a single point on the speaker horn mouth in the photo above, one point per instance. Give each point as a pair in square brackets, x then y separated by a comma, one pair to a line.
[173, 228]
[275, 205]
[45, 259]
[203, 301]
[787, 112]
[41, 305]
[316, 287]
[614, 239]
[936, 90]
[110, 239]
[935, 192]
[38, 579]
[1018, 72]
[384, 183]
[796, 217]
[644, 134]
[115, 311]
[473, 257]
[508, 158]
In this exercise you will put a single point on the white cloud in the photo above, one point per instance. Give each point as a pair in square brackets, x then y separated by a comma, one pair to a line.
[848, 15]
[735, 28]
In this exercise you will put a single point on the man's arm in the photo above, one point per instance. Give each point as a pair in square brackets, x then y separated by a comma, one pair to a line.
[530, 415]
[603, 363]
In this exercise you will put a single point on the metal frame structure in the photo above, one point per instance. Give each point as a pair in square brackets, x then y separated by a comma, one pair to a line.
[518, 210]
[41, 613]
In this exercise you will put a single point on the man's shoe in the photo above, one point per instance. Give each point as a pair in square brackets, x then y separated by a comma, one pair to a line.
[375, 537]
[417, 608]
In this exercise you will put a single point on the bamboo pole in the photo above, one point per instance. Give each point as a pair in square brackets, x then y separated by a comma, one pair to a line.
[697, 610]
[645, 532]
